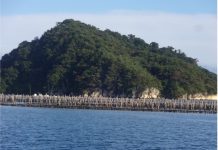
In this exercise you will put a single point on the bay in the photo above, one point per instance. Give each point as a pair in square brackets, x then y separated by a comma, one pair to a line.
[53, 128]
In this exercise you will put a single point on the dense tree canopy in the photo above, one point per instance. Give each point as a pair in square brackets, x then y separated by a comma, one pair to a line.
[75, 58]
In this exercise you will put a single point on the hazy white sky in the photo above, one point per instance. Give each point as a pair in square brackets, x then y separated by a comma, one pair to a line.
[185, 25]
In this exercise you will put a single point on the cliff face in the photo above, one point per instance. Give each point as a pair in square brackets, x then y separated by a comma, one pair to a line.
[150, 93]
[200, 96]
[77, 59]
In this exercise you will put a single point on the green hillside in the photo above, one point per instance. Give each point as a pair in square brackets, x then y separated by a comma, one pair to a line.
[76, 58]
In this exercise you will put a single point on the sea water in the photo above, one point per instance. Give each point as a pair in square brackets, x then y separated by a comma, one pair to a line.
[26, 128]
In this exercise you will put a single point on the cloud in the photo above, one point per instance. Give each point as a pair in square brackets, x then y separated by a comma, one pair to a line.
[194, 34]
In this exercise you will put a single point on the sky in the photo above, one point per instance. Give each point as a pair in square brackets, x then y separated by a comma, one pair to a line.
[189, 25]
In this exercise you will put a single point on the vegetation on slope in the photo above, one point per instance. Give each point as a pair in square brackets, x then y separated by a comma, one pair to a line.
[75, 58]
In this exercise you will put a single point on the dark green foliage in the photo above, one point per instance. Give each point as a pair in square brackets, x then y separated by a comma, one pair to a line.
[75, 58]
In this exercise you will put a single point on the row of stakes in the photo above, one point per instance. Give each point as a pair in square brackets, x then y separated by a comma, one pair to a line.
[161, 104]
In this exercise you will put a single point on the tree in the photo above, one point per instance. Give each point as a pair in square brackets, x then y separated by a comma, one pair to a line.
[73, 58]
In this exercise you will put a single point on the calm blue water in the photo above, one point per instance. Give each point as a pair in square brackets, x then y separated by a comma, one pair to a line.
[50, 128]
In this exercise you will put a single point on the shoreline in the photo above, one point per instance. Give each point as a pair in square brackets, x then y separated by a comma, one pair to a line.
[107, 103]
[120, 109]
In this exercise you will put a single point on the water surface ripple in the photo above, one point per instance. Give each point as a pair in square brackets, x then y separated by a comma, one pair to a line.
[26, 128]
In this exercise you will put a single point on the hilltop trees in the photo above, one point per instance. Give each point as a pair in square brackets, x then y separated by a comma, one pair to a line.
[75, 58]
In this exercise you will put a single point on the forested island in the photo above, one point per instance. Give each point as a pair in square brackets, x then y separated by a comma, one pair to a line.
[74, 58]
